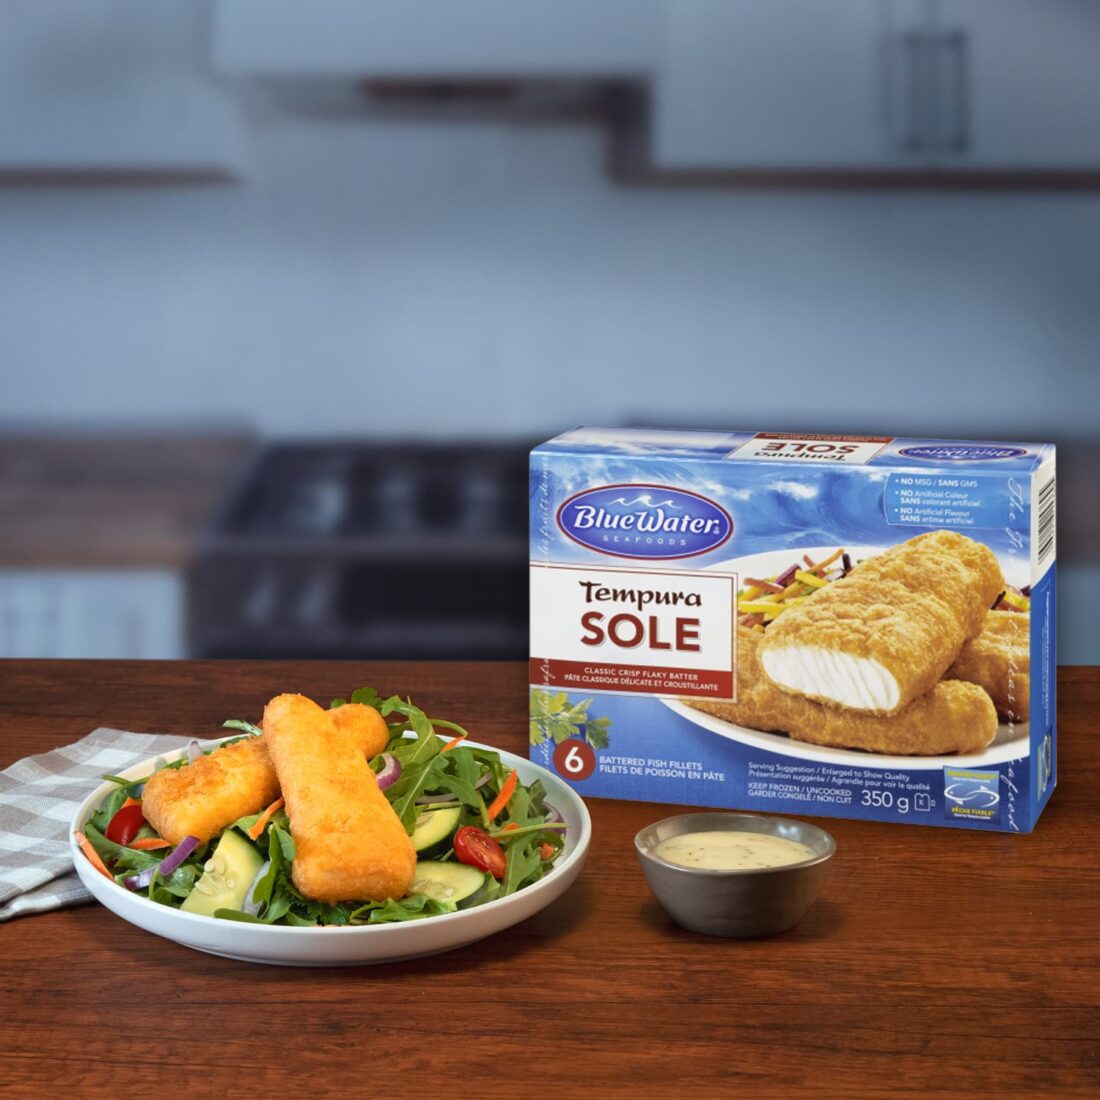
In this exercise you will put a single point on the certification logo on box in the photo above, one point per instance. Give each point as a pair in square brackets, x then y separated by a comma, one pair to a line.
[973, 795]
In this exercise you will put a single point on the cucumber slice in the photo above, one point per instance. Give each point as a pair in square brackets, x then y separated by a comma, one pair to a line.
[433, 827]
[448, 881]
[226, 877]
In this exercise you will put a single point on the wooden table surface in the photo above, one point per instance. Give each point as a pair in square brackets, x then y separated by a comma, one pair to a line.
[935, 960]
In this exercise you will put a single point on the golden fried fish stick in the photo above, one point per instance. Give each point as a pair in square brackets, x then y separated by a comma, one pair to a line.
[202, 798]
[882, 636]
[365, 725]
[350, 844]
[951, 718]
[999, 660]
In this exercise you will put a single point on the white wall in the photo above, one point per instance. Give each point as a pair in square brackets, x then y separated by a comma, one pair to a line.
[455, 279]
[413, 278]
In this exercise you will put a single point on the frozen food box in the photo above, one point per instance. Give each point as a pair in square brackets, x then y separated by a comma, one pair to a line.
[852, 626]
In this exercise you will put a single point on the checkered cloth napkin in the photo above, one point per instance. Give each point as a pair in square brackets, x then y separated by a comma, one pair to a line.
[38, 797]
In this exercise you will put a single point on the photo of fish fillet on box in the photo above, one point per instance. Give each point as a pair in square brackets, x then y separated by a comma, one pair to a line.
[899, 654]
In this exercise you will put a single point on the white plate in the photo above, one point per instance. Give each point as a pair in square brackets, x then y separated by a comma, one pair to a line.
[1011, 742]
[379, 943]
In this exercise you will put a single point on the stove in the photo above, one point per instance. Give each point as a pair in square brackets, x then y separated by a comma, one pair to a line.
[353, 550]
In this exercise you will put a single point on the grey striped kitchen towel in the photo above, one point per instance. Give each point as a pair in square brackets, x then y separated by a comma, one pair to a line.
[38, 797]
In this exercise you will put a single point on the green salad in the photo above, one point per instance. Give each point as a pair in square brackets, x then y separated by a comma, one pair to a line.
[479, 834]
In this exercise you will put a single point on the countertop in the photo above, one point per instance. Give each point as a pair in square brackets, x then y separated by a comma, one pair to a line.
[935, 960]
[116, 501]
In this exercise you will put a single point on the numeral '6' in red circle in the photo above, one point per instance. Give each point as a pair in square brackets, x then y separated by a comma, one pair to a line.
[574, 759]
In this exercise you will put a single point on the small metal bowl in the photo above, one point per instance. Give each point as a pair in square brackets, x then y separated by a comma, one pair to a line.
[753, 902]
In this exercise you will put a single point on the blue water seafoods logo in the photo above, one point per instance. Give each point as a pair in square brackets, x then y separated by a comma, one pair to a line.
[961, 452]
[645, 521]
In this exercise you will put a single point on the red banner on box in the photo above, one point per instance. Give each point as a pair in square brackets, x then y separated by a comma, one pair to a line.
[644, 679]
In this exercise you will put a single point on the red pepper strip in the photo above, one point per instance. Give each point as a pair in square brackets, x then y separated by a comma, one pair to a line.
[506, 791]
[93, 855]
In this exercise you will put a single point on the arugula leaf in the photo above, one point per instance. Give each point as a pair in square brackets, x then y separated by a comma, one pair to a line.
[367, 696]
[237, 914]
[414, 785]
[296, 921]
[523, 863]
[465, 765]
[123, 859]
[102, 817]
[282, 839]
[241, 724]
[413, 907]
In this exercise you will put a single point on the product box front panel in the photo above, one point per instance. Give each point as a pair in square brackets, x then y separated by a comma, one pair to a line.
[851, 626]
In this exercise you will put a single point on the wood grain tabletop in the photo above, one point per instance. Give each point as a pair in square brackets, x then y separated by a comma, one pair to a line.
[936, 961]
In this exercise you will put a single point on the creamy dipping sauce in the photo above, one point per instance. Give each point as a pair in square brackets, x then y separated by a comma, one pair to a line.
[724, 850]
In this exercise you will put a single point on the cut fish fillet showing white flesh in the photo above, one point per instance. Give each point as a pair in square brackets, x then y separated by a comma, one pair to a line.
[858, 683]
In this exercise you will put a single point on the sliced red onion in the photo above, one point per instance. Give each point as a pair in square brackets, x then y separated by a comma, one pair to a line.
[178, 855]
[250, 905]
[787, 575]
[390, 773]
[194, 752]
[140, 881]
[553, 815]
[166, 866]
[428, 799]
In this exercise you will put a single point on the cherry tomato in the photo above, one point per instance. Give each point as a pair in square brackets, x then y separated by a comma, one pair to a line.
[124, 826]
[478, 849]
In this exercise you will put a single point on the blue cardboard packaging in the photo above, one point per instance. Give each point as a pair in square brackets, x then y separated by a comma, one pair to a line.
[678, 654]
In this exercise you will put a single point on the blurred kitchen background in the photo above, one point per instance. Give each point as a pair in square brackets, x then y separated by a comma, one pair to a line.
[287, 290]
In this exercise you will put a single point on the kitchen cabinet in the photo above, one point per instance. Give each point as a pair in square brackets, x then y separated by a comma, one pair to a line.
[792, 83]
[91, 613]
[911, 86]
[435, 38]
[107, 86]
[1017, 84]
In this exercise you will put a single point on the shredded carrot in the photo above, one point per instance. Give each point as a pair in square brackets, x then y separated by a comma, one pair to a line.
[506, 791]
[454, 741]
[546, 851]
[130, 802]
[93, 855]
[257, 829]
[149, 844]
[509, 826]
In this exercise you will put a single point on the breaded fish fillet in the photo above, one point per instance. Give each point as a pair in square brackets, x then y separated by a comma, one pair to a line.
[202, 798]
[999, 660]
[951, 718]
[882, 636]
[350, 844]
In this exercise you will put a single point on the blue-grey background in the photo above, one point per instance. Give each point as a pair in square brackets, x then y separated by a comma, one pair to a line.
[197, 236]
